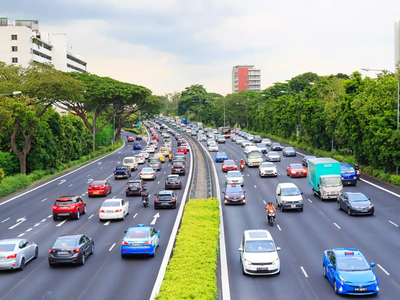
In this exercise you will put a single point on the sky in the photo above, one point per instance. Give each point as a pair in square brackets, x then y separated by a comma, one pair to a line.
[167, 45]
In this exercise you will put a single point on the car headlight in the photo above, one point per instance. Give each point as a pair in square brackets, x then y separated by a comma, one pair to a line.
[226, 197]
[241, 197]
[342, 280]
[247, 262]
[342, 178]
[275, 261]
[371, 206]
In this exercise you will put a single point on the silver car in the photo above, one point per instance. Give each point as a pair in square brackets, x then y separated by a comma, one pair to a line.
[213, 147]
[210, 141]
[273, 156]
[268, 169]
[266, 142]
[15, 253]
[147, 173]
[239, 140]
[234, 177]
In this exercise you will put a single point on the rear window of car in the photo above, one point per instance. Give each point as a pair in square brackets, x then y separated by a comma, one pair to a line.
[64, 202]
[178, 164]
[111, 204]
[175, 178]
[137, 234]
[164, 197]
[147, 170]
[65, 242]
[120, 168]
[134, 184]
[154, 159]
[128, 160]
[97, 183]
[7, 247]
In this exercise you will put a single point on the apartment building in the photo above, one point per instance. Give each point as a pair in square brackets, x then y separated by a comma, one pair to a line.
[396, 43]
[246, 77]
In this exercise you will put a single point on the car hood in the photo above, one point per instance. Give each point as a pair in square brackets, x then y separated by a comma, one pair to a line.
[268, 169]
[357, 276]
[361, 203]
[273, 155]
[265, 257]
[298, 170]
[292, 198]
[234, 194]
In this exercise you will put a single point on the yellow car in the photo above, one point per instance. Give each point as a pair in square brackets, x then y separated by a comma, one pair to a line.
[160, 156]
[164, 150]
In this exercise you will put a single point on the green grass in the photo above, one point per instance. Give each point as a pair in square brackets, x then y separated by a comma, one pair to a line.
[191, 273]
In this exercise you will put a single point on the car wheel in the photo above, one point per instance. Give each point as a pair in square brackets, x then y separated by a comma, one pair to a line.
[348, 211]
[338, 205]
[55, 217]
[22, 265]
[175, 206]
[243, 272]
[126, 194]
[90, 196]
[122, 255]
[154, 253]
[78, 215]
[324, 272]
[276, 201]
[84, 211]
[36, 253]
[281, 208]
[92, 250]
[83, 259]
[301, 209]
[155, 206]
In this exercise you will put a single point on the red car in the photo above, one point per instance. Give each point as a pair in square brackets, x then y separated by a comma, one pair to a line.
[99, 187]
[153, 133]
[155, 138]
[229, 165]
[296, 170]
[182, 149]
[130, 139]
[69, 206]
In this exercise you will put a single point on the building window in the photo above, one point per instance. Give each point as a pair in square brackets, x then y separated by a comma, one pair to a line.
[15, 60]
[14, 37]
[14, 48]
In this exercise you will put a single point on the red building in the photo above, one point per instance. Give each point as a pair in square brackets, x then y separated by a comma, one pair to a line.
[246, 77]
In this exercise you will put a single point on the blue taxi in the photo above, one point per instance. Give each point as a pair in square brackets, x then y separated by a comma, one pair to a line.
[140, 240]
[349, 175]
[221, 156]
[137, 146]
[349, 272]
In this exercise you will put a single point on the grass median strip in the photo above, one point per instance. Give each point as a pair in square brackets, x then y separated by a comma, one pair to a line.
[191, 273]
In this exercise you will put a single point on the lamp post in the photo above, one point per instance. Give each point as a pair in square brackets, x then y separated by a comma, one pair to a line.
[247, 123]
[12, 94]
[398, 97]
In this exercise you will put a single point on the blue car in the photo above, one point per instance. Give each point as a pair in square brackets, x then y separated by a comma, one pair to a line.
[349, 175]
[221, 156]
[140, 240]
[137, 146]
[349, 272]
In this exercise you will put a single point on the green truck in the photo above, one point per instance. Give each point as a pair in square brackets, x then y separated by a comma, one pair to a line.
[324, 177]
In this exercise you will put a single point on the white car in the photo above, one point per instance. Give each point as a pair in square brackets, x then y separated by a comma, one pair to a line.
[213, 147]
[288, 196]
[210, 141]
[239, 140]
[154, 144]
[250, 137]
[258, 253]
[130, 162]
[234, 177]
[150, 149]
[245, 144]
[145, 154]
[147, 173]
[140, 158]
[266, 142]
[114, 209]
[268, 169]
[169, 145]
[188, 130]
[211, 135]
[15, 253]
[201, 137]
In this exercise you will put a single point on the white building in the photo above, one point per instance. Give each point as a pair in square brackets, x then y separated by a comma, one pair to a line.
[246, 77]
[396, 43]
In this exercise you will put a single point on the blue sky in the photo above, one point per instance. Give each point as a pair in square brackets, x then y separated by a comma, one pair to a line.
[167, 45]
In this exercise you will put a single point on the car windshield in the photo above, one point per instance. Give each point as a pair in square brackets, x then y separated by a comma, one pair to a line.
[111, 204]
[234, 174]
[331, 181]
[293, 191]
[64, 202]
[347, 170]
[352, 263]
[257, 137]
[134, 184]
[276, 144]
[296, 166]
[267, 165]
[97, 183]
[128, 160]
[266, 140]
[260, 246]
[138, 156]
[137, 234]
[289, 149]
[357, 197]
[154, 159]
[65, 242]
[7, 247]
[233, 189]
[229, 162]
[255, 154]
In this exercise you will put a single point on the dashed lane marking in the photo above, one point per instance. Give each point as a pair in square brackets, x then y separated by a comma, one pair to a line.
[71, 185]
[37, 224]
[60, 224]
[279, 227]
[255, 186]
[49, 216]
[304, 272]
[21, 234]
[386, 272]
[106, 223]
[111, 247]
[135, 215]
[309, 200]
[337, 225]
[29, 229]
[44, 220]
[393, 223]
[5, 220]
[91, 216]
[265, 202]
[43, 200]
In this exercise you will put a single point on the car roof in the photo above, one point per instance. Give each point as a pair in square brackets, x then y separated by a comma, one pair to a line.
[139, 227]
[136, 180]
[70, 234]
[129, 157]
[10, 241]
[112, 199]
[258, 234]
[341, 252]
[346, 165]
[287, 185]
[221, 153]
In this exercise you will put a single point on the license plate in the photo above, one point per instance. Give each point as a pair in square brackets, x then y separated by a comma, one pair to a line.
[63, 252]
[177, 169]
[109, 211]
[360, 289]
[135, 244]
[63, 207]
[63, 214]
[262, 269]
[293, 206]
[96, 192]
[120, 176]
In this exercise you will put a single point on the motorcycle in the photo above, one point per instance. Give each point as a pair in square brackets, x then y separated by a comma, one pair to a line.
[271, 217]
[358, 173]
[145, 199]
[170, 158]
[242, 167]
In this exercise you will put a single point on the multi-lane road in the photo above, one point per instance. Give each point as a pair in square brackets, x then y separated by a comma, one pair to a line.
[303, 236]
[105, 275]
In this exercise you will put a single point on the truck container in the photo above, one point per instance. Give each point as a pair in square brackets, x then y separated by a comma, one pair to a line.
[324, 177]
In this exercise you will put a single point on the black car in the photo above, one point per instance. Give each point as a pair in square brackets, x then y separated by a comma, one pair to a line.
[178, 167]
[122, 172]
[276, 147]
[135, 187]
[173, 182]
[71, 249]
[304, 162]
[180, 142]
[165, 199]
[139, 138]
[234, 194]
[257, 139]
[289, 151]
[355, 204]
[262, 147]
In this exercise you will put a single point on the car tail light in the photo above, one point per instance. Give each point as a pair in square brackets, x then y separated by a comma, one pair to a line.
[172, 167]
[127, 186]
[76, 250]
[166, 182]
[55, 206]
[90, 187]
[147, 243]
[173, 199]
[183, 167]
[156, 200]
[140, 173]
[71, 207]
[151, 173]
[124, 243]
[101, 211]
[12, 256]
[114, 172]
[118, 210]
[349, 253]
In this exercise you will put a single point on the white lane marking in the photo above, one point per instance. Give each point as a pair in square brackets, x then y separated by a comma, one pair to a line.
[158, 182]
[29, 229]
[19, 221]
[383, 189]
[336, 225]
[248, 175]
[101, 168]
[156, 216]
[88, 175]
[49, 216]
[393, 223]
[5, 220]
[99, 163]
[62, 181]
[111, 162]
[265, 202]
[89, 180]
[114, 197]
[37, 224]
[304, 271]
[21, 234]
[91, 216]
[111, 247]
[43, 200]
[71, 185]
[59, 224]
[44, 220]
[386, 272]
[164, 172]
[300, 153]
[255, 186]
[135, 215]
[106, 223]
[279, 227]
[83, 194]
[309, 200]
[62, 176]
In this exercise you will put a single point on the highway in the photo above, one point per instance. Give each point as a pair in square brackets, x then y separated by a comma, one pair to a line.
[105, 275]
[303, 236]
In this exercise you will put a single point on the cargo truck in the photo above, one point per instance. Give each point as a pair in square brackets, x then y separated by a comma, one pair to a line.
[324, 177]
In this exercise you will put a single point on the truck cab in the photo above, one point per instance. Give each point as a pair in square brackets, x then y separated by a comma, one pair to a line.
[349, 174]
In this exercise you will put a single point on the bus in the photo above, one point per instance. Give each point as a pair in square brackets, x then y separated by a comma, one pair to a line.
[254, 157]
[225, 131]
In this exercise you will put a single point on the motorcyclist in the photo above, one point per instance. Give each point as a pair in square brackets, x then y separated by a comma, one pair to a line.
[241, 164]
[356, 167]
[170, 156]
[269, 207]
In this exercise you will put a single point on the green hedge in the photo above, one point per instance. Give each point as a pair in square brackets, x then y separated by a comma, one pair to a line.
[12, 184]
[1, 175]
[136, 130]
[191, 273]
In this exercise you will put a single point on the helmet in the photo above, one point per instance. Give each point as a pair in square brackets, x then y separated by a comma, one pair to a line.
[270, 202]
[356, 165]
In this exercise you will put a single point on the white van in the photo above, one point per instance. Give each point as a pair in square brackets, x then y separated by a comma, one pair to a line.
[131, 162]
[288, 196]
[250, 148]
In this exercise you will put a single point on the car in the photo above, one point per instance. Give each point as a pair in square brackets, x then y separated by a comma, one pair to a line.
[135, 187]
[234, 194]
[349, 174]
[234, 137]
[69, 206]
[165, 199]
[182, 149]
[173, 182]
[114, 209]
[130, 139]
[221, 140]
[16, 253]
[140, 158]
[99, 187]
[257, 139]
[160, 157]
[258, 253]
[70, 249]
[178, 167]
[185, 144]
[180, 142]
[164, 150]
[349, 272]
[229, 165]
[201, 137]
[182, 155]
[267, 169]
[145, 154]
[288, 196]
[139, 138]
[150, 149]
[213, 147]
[154, 162]
[246, 144]
[211, 135]
[289, 151]
[140, 240]
[235, 177]
[305, 159]
[137, 146]
[122, 171]
[155, 138]
[221, 156]
[276, 147]
[239, 140]
[296, 170]
[266, 142]
[168, 145]
[273, 156]
[188, 130]
[355, 204]
[130, 162]
[147, 173]
[210, 141]
[262, 147]
[250, 137]
[154, 144]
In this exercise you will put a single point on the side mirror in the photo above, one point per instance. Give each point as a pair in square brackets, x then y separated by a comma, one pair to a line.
[240, 249]
[301, 193]
[318, 184]
[125, 231]
[278, 248]
[244, 192]
[279, 194]
[223, 193]
[330, 266]
[369, 199]
[372, 264]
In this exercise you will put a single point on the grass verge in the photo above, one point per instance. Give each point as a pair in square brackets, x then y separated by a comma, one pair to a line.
[191, 273]
[12, 184]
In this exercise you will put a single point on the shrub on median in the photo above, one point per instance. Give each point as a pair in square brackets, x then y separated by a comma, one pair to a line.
[191, 273]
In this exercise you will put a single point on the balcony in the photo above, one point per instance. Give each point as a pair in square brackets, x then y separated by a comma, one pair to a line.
[76, 65]
[40, 59]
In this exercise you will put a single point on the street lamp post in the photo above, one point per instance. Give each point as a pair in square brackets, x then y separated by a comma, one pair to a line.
[398, 98]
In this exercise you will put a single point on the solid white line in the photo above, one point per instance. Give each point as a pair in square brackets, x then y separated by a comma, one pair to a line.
[279, 227]
[44, 200]
[29, 229]
[383, 189]
[106, 223]
[393, 223]
[111, 247]
[304, 272]
[5, 220]
[91, 216]
[265, 202]
[135, 215]
[386, 272]
[21, 234]
[300, 153]
[114, 197]
[37, 224]
[337, 225]
[309, 200]
[55, 179]
[71, 185]
[59, 224]
[158, 182]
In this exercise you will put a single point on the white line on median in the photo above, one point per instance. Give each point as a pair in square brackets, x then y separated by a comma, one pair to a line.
[265, 202]
[386, 272]
[5, 220]
[135, 215]
[304, 272]
[393, 223]
[279, 227]
[106, 223]
[59, 224]
[111, 247]
[336, 225]
[309, 200]
[43, 200]
[91, 216]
